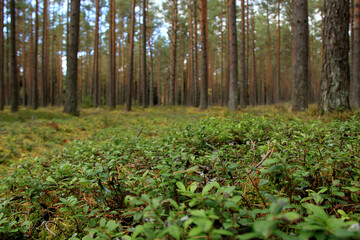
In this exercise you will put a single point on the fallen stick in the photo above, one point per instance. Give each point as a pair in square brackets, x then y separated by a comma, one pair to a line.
[262, 160]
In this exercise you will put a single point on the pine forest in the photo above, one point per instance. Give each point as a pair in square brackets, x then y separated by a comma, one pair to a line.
[180, 119]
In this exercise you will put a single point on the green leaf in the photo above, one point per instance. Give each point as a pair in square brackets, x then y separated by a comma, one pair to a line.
[102, 222]
[317, 211]
[264, 228]
[193, 187]
[198, 213]
[247, 236]
[263, 182]
[174, 231]
[291, 216]
[138, 230]
[222, 232]
[181, 186]
[111, 226]
[195, 231]
[50, 179]
[207, 188]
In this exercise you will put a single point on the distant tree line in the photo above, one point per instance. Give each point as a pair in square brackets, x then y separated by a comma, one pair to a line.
[215, 53]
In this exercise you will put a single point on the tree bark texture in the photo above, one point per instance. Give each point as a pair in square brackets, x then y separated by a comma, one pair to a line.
[144, 63]
[173, 53]
[131, 59]
[45, 57]
[278, 67]
[14, 77]
[233, 51]
[95, 82]
[112, 62]
[301, 54]
[336, 73]
[243, 81]
[204, 57]
[2, 92]
[34, 88]
[72, 62]
[253, 95]
[355, 83]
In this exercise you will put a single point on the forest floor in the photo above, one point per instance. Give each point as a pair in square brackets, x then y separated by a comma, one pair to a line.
[179, 172]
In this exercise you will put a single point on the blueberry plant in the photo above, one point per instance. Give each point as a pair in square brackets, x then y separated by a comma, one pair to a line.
[209, 176]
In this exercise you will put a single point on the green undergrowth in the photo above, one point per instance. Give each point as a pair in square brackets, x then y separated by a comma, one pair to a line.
[177, 173]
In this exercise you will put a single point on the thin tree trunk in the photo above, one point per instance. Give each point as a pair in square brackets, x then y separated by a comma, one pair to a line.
[253, 61]
[95, 81]
[112, 62]
[144, 63]
[23, 60]
[173, 53]
[336, 74]
[278, 67]
[222, 85]
[233, 88]
[268, 85]
[191, 65]
[2, 92]
[14, 77]
[44, 58]
[72, 63]
[159, 91]
[131, 58]
[151, 79]
[139, 81]
[227, 83]
[355, 83]
[204, 56]
[53, 73]
[196, 60]
[243, 80]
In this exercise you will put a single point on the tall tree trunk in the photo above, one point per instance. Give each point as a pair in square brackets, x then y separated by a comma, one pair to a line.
[151, 79]
[112, 63]
[95, 82]
[2, 92]
[144, 63]
[196, 58]
[227, 77]
[54, 79]
[301, 50]
[23, 60]
[336, 74]
[174, 22]
[204, 57]
[253, 61]
[191, 65]
[243, 84]
[14, 77]
[131, 58]
[159, 91]
[72, 63]
[233, 88]
[355, 83]
[34, 88]
[278, 67]
[139, 81]
[222, 85]
[44, 58]
[268, 85]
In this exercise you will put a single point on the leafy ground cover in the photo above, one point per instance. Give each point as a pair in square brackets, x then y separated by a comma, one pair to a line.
[177, 173]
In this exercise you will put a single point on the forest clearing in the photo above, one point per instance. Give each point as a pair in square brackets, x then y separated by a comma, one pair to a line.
[177, 173]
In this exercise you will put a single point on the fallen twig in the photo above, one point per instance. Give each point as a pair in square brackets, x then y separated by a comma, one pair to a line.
[262, 160]
[138, 135]
[49, 229]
